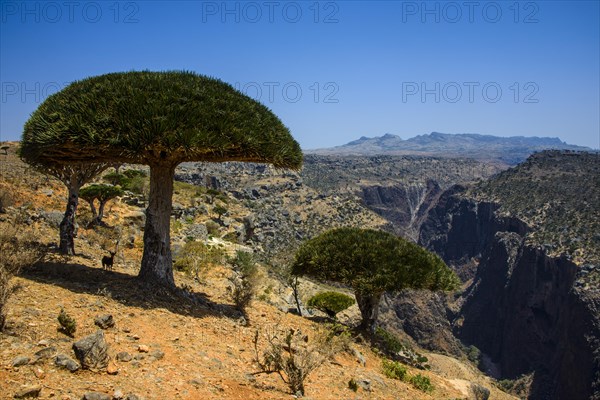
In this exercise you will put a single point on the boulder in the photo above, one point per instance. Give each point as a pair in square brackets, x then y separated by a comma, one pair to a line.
[92, 351]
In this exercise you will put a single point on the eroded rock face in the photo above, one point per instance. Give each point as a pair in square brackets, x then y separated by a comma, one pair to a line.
[405, 206]
[526, 310]
[422, 315]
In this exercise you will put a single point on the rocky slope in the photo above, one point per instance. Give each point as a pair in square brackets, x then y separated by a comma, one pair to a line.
[533, 304]
[509, 150]
[401, 189]
[187, 344]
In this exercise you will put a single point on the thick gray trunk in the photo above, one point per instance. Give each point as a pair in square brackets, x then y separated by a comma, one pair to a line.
[157, 262]
[368, 305]
[68, 226]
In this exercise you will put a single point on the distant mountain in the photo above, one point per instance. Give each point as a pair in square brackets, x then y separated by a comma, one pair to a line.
[510, 150]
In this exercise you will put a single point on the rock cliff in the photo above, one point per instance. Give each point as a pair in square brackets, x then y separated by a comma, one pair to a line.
[527, 310]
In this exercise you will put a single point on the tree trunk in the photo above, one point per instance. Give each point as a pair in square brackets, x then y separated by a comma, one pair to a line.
[157, 262]
[294, 285]
[101, 210]
[68, 226]
[368, 304]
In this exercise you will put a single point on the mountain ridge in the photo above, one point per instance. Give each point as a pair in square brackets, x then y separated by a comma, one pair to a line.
[510, 150]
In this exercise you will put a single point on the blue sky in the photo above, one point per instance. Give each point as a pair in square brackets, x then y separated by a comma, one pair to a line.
[333, 71]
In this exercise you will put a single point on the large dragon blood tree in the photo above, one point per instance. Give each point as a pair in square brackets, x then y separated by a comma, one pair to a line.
[159, 119]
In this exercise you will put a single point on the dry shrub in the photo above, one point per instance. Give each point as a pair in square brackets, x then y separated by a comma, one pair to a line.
[18, 248]
[294, 355]
[6, 199]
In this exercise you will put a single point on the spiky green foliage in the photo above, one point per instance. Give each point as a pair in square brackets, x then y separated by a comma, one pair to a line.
[149, 117]
[330, 303]
[100, 192]
[372, 261]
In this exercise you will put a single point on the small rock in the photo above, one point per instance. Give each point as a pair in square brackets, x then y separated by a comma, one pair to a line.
[124, 356]
[44, 353]
[39, 373]
[67, 362]
[20, 360]
[28, 392]
[92, 351]
[112, 369]
[43, 343]
[104, 321]
[118, 394]
[131, 396]
[142, 348]
[359, 357]
[96, 396]
[157, 354]
[365, 384]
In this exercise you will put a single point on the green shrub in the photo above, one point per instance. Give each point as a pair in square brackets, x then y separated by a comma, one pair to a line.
[132, 180]
[421, 382]
[473, 354]
[390, 343]
[330, 303]
[68, 326]
[244, 279]
[352, 385]
[480, 392]
[394, 370]
[196, 257]
[212, 227]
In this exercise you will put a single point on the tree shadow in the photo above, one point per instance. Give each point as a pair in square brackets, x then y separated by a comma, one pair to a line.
[127, 289]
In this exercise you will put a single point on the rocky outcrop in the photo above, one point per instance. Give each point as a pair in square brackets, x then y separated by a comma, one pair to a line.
[423, 316]
[526, 311]
[405, 206]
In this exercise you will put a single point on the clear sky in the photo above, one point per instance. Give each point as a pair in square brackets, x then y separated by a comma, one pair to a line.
[333, 70]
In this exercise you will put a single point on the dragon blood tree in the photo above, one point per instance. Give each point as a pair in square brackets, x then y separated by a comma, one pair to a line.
[159, 119]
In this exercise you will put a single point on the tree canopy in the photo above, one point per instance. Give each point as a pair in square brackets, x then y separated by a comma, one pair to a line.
[371, 262]
[159, 119]
[142, 117]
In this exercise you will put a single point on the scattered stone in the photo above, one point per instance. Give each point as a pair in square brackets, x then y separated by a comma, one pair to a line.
[157, 355]
[365, 384]
[142, 348]
[43, 343]
[359, 357]
[92, 351]
[96, 396]
[44, 353]
[67, 362]
[28, 392]
[118, 394]
[112, 369]
[135, 218]
[20, 360]
[39, 373]
[104, 321]
[131, 396]
[124, 356]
